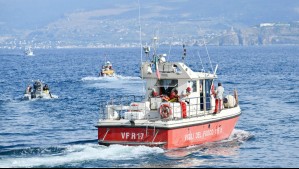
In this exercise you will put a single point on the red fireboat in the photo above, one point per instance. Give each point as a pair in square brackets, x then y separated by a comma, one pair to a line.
[178, 109]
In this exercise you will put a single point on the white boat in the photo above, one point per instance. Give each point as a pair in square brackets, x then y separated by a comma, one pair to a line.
[166, 120]
[29, 52]
[39, 90]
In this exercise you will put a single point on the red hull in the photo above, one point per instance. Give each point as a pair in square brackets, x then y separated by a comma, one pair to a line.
[167, 138]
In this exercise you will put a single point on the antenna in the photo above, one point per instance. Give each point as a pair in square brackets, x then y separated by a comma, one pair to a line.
[208, 54]
[171, 43]
[201, 61]
[215, 70]
[185, 52]
[146, 50]
[158, 34]
[140, 32]
[143, 89]
[155, 39]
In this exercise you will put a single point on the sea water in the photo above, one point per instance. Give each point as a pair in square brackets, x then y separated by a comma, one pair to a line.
[61, 132]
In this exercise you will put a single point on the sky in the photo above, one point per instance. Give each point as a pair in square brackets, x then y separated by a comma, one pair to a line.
[36, 14]
[20, 12]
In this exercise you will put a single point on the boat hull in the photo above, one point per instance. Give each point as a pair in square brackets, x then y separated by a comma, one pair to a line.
[44, 95]
[107, 73]
[167, 138]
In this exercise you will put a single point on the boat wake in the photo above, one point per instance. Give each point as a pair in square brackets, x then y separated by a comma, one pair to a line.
[228, 147]
[16, 106]
[82, 152]
[116, 77]
[126, 84]
[59, 156]
[35, 99]
[203, 155]
[239, 136]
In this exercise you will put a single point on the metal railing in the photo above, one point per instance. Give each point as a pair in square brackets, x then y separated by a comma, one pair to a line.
[195, 107]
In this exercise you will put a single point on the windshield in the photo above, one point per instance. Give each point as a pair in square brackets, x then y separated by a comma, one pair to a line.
[167, 85]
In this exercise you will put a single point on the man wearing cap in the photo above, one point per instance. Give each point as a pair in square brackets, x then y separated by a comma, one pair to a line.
[186, 93]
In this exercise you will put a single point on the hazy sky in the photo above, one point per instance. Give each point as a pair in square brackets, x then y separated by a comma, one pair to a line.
[37, 13]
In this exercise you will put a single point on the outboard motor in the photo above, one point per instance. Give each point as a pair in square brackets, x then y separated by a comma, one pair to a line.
[33, 95]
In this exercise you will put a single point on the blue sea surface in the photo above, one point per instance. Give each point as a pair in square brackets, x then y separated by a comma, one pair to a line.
[61, 132]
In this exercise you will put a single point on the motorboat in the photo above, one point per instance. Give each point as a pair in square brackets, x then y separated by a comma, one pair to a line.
[29, 52]
[160, 119]
[38, 90]
[107, 70]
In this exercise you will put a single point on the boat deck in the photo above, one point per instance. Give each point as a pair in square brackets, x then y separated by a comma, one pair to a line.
[173, 122]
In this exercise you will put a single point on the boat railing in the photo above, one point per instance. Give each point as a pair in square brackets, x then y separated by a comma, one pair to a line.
[118, 106]
[195, 107]
[200, 106]
[168, 68]
[134, 107]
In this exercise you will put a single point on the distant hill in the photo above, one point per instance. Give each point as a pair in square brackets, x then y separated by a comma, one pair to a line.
[97, 23]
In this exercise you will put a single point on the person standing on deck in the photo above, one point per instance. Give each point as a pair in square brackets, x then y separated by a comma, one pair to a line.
[219, 97]
[186, 94]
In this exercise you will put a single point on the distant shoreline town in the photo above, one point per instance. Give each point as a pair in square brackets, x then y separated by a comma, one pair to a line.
[262, 34]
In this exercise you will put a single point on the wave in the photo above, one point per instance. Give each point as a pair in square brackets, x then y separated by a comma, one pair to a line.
[17, 106]
[6, 98]
[240, 136]
[32, 151]
[56, 156]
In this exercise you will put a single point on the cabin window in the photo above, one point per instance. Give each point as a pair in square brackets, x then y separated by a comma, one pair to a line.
[176, 69]
[193, 85]
[200, 86]
[208, 86]
[166, 85]
[205, 96]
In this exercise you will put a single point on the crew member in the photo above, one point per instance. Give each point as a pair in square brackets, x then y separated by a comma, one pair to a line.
[154, 93]
[219, 97]
[28, 89]
[185, 94]
[174, 97]
[46, 87]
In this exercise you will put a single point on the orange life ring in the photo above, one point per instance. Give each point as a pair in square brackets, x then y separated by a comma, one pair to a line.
[165, 110]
